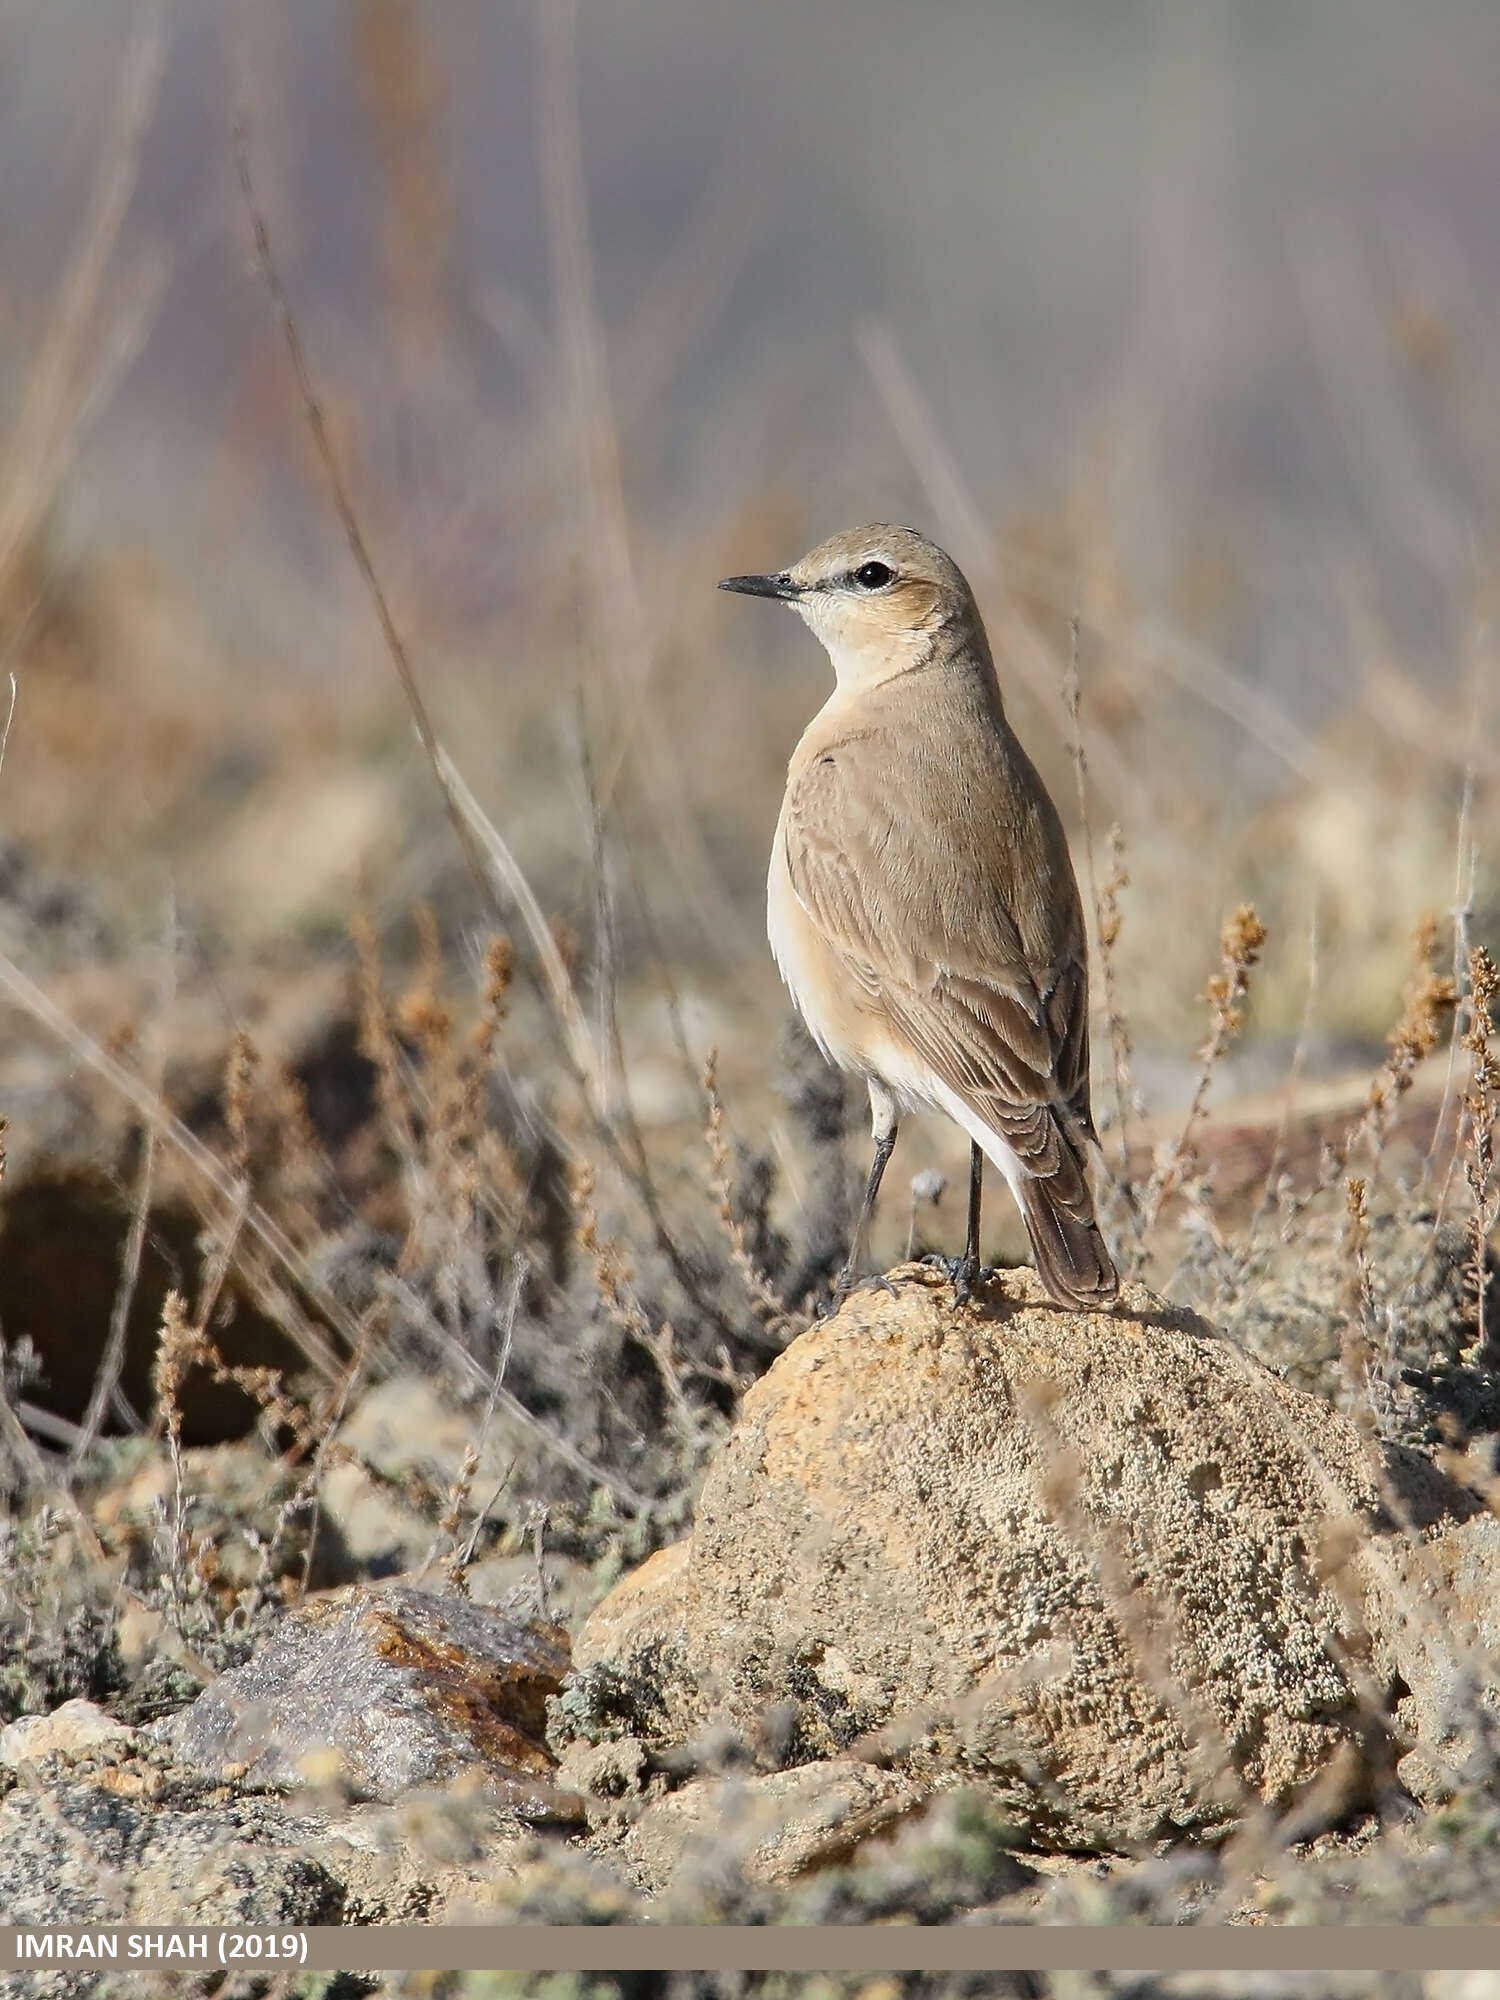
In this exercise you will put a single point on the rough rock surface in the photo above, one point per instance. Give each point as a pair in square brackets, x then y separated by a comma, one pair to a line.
[72, 1730]
[1437, 1638]
[381, 1690]
[773, 1826]
[128, 1845]
[119, 1832]
[1100, 1563]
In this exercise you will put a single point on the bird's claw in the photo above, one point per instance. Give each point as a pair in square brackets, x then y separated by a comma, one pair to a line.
[848, 1284]
[963, 1273]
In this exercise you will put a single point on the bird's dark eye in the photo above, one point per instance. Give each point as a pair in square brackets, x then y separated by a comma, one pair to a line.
[873, 575]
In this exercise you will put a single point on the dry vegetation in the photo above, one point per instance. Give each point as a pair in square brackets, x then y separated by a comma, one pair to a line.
[508, 1103]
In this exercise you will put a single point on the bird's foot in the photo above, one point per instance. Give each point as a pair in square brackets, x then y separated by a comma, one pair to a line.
[848, 1283]
[963, 1273]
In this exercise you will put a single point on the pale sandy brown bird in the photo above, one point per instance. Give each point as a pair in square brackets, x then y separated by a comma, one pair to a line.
[922, 905]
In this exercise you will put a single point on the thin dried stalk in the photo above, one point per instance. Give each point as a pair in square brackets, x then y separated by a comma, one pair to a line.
[1355, 1346]
[112, 1361]
[35, 1471]
[344, 507]
[81, 355]
[621, 1134]
[964, 528]
[1425, 1010]
[1482, 1106]
[620, 633]
[616, 1291]
[1462, 914]
[420, 1311]
[1105, 904]
[456, 1561]
[1110, 921]
[766, 1301]
[469, 822]
[578, 1040]
[1240, 944]
[211, 1171]
[181, 1345]
[1243, 1258]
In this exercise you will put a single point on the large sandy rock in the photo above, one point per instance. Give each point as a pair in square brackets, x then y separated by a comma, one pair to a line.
[1106, 1565]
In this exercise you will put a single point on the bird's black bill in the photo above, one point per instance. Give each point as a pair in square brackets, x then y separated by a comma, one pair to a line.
[763, 586]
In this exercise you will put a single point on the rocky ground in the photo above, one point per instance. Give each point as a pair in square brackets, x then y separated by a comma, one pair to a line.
[428, 1499]
[1002, 1615]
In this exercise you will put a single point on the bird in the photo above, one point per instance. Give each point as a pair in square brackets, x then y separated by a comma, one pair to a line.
[921, 902]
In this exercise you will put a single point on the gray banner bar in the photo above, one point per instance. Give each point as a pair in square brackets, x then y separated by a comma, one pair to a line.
[668, 1948]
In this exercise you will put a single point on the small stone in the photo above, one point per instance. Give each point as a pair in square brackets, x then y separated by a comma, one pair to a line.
[77, 1729]
[403, 1686]
[775, 1826]
[611, 1770]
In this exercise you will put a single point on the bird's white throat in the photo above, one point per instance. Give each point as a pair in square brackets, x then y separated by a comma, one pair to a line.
[863, 648]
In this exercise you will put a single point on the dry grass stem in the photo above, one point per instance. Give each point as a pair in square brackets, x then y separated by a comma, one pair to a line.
[590, 1469]
[1427, 1010]
[107, 1375]
[457, 1559]
[1482, 1109]
[1356, 1351]
[765, 1301]
[211, 1171]
[86, 347]
[620, 637]
[1240, 944]
[964, 530]
[1427, 1007]
[344, 507]
[181, 1345]
[1110, 920]
[1104, 903]
[613, 1285]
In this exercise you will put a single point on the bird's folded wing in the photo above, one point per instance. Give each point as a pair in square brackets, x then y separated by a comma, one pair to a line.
[924, 933]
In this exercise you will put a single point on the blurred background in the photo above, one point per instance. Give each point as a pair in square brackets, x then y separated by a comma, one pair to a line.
[1179, 318]
[336, 1185]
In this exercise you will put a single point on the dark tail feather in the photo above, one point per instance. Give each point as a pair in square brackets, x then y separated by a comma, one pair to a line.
[1066, 1245]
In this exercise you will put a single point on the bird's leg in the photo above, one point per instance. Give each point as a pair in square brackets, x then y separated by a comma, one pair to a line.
[883, 1129]
[964, 1270]
[968, 1266]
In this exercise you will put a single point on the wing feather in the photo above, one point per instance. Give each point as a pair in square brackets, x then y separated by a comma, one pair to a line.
[921, 925]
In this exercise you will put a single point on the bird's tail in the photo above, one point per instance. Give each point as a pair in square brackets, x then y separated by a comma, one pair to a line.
[1066, 1246]
[1043, 1154]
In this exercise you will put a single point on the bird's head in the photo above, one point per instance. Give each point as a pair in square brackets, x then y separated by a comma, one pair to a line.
[877, 597]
